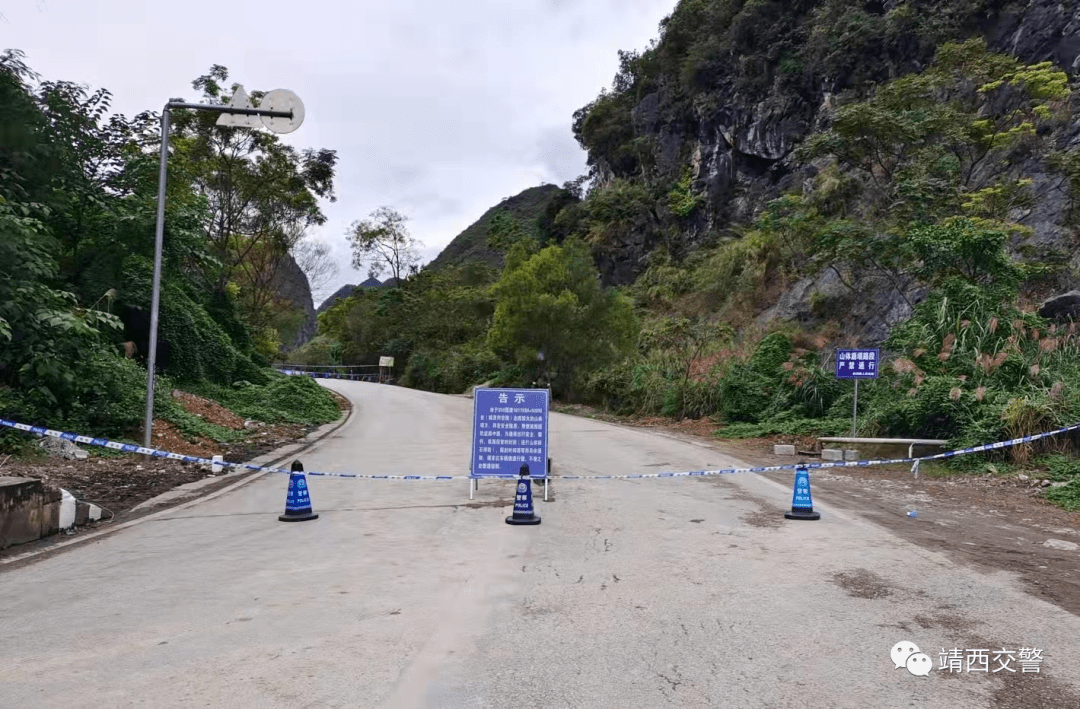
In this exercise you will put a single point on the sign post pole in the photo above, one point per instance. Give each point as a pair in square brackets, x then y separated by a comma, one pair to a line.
[855, 411]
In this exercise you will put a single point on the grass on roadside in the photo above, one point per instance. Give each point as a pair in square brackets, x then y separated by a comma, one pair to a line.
[284, 400]
[1067, 496]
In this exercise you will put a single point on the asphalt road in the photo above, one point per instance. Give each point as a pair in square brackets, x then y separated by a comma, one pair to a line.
[672, 592]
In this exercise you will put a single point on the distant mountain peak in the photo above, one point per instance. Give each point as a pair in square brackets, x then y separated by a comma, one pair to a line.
[471, 245]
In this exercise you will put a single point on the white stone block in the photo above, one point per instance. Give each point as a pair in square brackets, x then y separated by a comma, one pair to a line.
[832, 454]
[851, 455]
[783, 450]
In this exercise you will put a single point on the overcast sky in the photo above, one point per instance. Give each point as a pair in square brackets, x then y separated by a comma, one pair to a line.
[437, 108]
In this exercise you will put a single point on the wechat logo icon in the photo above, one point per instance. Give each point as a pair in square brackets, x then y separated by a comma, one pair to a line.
[906, 654]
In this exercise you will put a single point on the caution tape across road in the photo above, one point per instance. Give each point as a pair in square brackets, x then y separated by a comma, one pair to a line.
[132, 448]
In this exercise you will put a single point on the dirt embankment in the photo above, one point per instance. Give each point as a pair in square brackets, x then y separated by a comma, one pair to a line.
[119, 482]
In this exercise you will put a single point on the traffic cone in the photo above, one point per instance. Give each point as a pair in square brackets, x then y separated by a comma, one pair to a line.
[802, 507]
[298, 500]
[523, 505]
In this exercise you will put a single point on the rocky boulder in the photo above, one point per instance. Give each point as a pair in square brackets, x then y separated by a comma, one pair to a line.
[62, 448]
[1063, 308]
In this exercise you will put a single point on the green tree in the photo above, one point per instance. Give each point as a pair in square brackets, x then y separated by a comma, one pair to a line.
[966, 249]
[681, 341]
[939, 142]
[46, 336]
[262, 194]
[383, 242]
[924, 148]
[552, 316]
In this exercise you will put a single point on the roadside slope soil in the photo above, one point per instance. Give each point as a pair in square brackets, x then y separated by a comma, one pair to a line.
[120, 482]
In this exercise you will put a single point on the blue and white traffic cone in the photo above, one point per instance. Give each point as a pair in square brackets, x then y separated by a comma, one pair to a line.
[802, 506]
[298, 499]
[523, 505]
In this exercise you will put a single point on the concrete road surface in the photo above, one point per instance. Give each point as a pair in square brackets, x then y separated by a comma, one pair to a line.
[673, 592]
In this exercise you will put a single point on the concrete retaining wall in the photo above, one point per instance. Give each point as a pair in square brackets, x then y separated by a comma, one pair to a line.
[28, 511]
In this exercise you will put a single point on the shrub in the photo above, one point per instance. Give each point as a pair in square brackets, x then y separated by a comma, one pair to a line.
[200, 347]
[451, 370]
[112, 396]
[745, 394]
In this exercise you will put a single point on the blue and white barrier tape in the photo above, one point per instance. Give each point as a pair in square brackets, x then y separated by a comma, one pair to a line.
[131, 448]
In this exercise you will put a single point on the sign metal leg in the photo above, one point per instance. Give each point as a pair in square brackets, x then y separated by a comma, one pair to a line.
[855, 411]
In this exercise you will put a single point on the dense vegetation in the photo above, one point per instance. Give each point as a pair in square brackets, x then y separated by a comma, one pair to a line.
[920, 173]
[77, 214]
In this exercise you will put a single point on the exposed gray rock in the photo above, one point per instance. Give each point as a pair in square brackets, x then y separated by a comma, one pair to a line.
[1039, 30]
[867, 304]
[62, 448]
[1062, 307]
[1061, 544]
[645, 113]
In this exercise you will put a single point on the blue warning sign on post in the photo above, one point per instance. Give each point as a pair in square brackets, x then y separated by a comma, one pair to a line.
[510, 429]
[857, 364]
[801, 498]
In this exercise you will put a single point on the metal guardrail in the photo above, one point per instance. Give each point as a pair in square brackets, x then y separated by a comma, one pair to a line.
[354, 372]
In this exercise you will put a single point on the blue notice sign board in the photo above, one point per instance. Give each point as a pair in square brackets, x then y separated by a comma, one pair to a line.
[510, 428]
[857, 364]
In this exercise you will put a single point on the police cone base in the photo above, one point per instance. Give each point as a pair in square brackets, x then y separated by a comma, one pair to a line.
[797, 513]
[523, 506]
[802, 506]
[298, 499]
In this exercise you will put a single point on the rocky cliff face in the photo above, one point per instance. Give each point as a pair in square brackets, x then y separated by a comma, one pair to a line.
[291, 284]
[739, 143]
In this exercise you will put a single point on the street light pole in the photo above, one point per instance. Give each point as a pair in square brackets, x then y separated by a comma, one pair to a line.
[159, 235]
[159, 230]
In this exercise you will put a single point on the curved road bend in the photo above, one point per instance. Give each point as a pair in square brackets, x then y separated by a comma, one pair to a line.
[675, 592]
